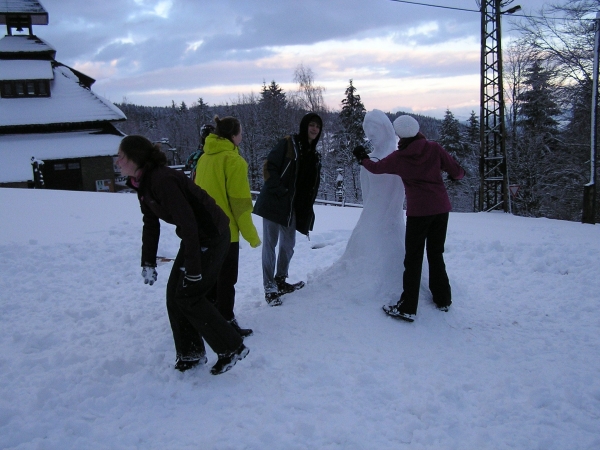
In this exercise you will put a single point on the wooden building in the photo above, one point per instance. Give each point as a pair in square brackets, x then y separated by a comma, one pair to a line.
[49, 113]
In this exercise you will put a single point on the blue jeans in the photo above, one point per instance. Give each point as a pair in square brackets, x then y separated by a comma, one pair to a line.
[272, 234]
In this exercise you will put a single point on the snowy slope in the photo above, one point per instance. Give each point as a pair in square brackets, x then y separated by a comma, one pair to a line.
[86, 352]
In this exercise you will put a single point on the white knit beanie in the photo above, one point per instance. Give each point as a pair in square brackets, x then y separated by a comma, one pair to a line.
[406, 127]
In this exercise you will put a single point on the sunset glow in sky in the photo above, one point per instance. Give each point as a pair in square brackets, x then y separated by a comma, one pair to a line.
[151, 52]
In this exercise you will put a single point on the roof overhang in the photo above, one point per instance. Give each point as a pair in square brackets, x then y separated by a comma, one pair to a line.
[15, 11]
[26, 70]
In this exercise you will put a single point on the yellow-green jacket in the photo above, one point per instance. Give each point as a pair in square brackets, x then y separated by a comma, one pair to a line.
[223, 174]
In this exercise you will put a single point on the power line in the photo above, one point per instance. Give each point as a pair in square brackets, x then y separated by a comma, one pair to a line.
[437, 6]
[479, 11]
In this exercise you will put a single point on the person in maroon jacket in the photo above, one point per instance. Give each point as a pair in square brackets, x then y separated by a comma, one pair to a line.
[203, 227]
[419, 162]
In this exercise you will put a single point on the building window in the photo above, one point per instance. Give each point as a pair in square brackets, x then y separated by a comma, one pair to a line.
[25, 88]
[7, 88]
[72, 166]
[60, 167]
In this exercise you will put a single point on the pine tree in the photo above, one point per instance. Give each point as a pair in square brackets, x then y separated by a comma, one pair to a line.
[273, 104]
[200, 115]
[538, 107]
[537, 149]
[473, 130]
[351, 134]
[450, 134]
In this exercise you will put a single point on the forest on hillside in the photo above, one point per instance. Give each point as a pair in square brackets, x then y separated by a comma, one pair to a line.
[267, 117]
[548, 74]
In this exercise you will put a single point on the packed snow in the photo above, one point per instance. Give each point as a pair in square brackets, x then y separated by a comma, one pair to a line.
[87, 354]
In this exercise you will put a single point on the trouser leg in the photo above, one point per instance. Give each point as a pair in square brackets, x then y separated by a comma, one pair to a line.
[188, 342]
[202, 314]
[270, 237]
[416, 233]
[225, 285]
[287, 242]
[439, 285]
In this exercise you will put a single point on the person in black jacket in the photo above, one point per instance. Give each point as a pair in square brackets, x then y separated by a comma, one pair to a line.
[203, 227]
[292, 173]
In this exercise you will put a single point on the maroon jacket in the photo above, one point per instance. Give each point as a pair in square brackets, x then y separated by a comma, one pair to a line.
[420, 165]
[168, 194]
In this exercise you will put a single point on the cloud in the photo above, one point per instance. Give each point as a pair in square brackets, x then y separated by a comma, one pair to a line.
[155, 51]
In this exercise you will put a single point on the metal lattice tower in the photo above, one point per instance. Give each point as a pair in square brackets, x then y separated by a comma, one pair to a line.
[493, 192]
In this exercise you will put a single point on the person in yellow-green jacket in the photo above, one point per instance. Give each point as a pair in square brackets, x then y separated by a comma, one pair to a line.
[223, 174]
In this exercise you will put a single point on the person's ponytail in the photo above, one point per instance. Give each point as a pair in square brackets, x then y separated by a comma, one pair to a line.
[142, 152]
[227, 127]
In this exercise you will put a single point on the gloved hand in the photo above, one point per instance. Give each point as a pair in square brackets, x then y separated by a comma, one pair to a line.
[360, 153]
[190, 285]
[150, 274]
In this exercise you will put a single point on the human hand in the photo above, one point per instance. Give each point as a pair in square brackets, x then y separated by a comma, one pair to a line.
[360, 153]
[150, 274]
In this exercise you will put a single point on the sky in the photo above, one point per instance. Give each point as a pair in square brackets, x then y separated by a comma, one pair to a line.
[86, 351]
[151, 52]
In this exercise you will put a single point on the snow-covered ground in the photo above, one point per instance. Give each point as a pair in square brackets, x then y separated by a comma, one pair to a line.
[87, 356]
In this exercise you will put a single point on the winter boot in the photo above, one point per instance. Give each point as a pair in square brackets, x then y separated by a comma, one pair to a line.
[183, 363]
[227, 360]
[243, 332]
[273, 298]
[286, 288]
[396, 312]
[443, 307]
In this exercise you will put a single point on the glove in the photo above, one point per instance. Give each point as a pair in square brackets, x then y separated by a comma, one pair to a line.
[190, 285]
[360, 153]
[191, 279]
[150, 275]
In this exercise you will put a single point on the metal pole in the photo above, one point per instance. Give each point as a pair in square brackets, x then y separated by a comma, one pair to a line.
[589, 190]
[482, 115]
[505, 194]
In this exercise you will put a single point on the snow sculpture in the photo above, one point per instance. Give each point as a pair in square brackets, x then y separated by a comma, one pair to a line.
[374, 256]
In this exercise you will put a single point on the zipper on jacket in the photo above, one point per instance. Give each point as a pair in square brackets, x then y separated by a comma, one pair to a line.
[297, 154]
[285, 170]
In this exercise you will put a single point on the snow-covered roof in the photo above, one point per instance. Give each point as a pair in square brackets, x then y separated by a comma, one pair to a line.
[39, 16]
[24, 44]
[69, 103]
[26, 70]
[16, 150]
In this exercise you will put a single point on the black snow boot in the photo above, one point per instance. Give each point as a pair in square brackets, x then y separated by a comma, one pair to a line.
[396, 312]
[183, 363]
[227, 360]
[285, 288]
[243, 332]
[273, 298]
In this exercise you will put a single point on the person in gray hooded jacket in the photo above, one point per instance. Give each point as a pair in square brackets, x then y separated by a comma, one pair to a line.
[292, 173]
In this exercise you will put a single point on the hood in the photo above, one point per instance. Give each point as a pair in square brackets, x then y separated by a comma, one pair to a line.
[414, 148]
[308, 118]
[215, 144]
[380, 132]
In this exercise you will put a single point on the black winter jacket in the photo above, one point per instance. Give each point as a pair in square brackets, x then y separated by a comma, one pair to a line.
[291, 181]
[168, 194]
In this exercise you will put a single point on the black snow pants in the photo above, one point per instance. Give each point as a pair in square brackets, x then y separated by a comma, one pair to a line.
[195, 318]
[424, 231]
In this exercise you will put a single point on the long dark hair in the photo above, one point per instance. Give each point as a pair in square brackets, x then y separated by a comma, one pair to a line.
[142, 152]
[227, 127]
